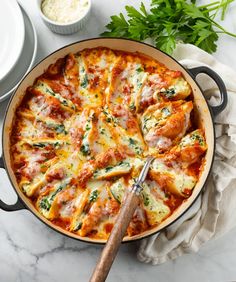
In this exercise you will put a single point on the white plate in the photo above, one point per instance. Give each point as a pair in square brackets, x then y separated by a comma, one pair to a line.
[25, 62]
[12, 33]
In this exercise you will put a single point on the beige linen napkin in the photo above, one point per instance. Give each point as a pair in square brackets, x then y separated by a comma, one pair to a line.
[213, 214]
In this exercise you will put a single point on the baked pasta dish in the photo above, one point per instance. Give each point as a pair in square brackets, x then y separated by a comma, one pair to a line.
[82, 133]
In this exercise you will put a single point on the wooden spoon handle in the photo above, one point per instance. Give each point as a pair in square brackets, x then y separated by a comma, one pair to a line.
[118, 231]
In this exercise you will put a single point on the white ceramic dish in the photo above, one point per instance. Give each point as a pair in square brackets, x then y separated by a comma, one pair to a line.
[65, 28]
[25, 62]
[12, 32]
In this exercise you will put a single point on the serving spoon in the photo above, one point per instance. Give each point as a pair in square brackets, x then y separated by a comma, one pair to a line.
[118, 231]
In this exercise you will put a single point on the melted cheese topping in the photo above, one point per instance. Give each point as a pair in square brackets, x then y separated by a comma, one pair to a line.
[82, 133]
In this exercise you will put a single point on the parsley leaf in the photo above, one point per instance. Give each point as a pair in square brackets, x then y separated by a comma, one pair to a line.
[167, 43]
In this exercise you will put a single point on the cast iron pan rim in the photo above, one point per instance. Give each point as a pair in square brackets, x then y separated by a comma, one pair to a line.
[36, 213]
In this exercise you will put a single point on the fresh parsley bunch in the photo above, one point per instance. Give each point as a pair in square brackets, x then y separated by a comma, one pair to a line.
[172, 21]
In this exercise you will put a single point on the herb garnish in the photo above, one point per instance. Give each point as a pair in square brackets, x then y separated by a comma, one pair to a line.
[132, 141]
[195, 136]
[84, 149]
[139, 69]
[60, 128]
[78, 227]
[84, 82]
[39, 145]
[44, 204]
[146, 199]
[169, 93]
[132, 106]
[108, 168]
[93, 196]
[172, 21]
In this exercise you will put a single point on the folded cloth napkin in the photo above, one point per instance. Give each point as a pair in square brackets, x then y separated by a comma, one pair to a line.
[213, 214]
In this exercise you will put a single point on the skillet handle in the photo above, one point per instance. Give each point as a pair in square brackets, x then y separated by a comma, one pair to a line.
[223, 92]
[15, 207]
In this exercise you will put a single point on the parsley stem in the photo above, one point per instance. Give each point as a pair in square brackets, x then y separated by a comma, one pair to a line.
[217, 10]
[209, 5]
[224, 30]
[222, 4]
[224, 8]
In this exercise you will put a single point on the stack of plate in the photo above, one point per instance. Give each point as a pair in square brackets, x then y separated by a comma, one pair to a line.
[18, 46]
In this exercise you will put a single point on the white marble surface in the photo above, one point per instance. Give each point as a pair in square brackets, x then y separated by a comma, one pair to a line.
[31, 252]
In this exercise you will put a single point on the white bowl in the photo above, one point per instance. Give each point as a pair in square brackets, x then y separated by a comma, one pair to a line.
[64, 28]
